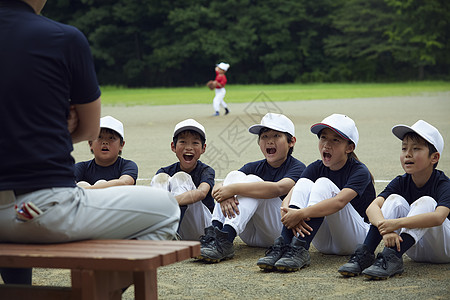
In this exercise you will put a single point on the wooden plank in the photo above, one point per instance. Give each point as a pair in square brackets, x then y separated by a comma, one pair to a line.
[129, 254]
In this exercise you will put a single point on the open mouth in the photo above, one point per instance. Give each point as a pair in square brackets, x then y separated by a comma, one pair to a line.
[105, 149]
[188, 157]
[326, 156]
[409, 163]
[271, 150]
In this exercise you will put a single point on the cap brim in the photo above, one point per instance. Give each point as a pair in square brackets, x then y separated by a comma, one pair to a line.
[255, 129]
[400, 130]
[316, 128]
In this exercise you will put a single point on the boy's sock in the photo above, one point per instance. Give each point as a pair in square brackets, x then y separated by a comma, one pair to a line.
[408, 242]
[231, 232]
[373, 238]
[315, 225]
[217, 224]
[287, 234]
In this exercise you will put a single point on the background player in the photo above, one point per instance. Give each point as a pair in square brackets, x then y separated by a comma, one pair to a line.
[412, 213]
[219, 84]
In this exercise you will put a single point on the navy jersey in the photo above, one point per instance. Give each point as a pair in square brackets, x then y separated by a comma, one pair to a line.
[201, 173]
[90, 172]
[353, 175]
[437, 187]
[291, 168]
[45, 66]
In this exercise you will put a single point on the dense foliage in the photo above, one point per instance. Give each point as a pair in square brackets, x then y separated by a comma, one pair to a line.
[177, 43]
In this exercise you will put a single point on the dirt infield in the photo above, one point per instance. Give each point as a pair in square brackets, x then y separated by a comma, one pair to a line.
[148, 133]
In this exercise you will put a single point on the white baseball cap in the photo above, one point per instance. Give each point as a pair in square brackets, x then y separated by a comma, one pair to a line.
[276, 122]
[112, 123]
[223, 66]
[341, 124]
[425, 130]
[189, 124]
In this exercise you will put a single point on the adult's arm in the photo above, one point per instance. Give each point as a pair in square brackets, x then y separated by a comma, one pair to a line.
[88, 121]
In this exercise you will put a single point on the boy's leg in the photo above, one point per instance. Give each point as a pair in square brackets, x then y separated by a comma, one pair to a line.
[197, 216]
[394, 206]
[258, 222]
[219, 95]
[71, 214]
[161, 181]
[340, 232]
[433, 244]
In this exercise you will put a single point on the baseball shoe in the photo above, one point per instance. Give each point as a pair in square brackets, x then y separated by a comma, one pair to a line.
[273, 254]
[208, 237]
[227, 111]
[219, 248]
[386, 265]
[361, 259]
[216, 114]
[295, 257]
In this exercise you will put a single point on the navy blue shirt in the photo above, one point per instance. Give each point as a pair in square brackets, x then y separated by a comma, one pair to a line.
[90, 172]
[201, 173]
[291, 168]
[437, 187]
[353, 175]
[45, 67]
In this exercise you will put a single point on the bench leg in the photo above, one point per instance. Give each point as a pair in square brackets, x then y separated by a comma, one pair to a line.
[100, 285]
[145, 285]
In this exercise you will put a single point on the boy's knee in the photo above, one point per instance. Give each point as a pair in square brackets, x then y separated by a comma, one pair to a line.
[424, 204]
[161, 181]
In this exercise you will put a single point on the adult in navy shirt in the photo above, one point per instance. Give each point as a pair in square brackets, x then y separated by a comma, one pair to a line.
[50, 99]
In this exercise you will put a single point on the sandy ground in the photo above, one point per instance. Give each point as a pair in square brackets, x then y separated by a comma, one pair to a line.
[148, 133]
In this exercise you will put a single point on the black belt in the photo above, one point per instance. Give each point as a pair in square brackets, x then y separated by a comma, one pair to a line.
[20, 192]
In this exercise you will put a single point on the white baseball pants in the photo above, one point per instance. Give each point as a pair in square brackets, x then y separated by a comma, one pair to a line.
[258, 223]
[197, 216]
[432, 244]
[218, 99]
[340, 232]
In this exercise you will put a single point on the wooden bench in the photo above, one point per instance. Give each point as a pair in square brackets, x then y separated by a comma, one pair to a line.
[100, 269]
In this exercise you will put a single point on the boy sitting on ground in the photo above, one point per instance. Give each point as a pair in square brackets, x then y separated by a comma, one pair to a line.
[189, 180]
[411, 215]
[107, 168]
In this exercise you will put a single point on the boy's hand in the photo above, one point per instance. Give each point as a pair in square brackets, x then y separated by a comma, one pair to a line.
[27, 211]
[222, 193]
[229, 207]
[291, 218]
[392, 239]
[302, 228]
[387, 226]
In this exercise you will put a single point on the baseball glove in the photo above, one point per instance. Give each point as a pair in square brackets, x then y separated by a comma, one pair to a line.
[211, 85]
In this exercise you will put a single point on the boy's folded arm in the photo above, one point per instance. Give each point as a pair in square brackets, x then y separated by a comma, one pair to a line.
[264, 189]
[123, 180]
[373, 211]
[425, 220]
[193, 196]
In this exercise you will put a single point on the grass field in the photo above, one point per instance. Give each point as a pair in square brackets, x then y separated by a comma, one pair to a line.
[282, 92]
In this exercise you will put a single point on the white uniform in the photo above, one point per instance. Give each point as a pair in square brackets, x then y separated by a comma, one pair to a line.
[340, 232]
[197, 216]
[432, 244]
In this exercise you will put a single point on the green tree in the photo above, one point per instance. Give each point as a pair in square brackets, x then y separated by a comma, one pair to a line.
[420, 32]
